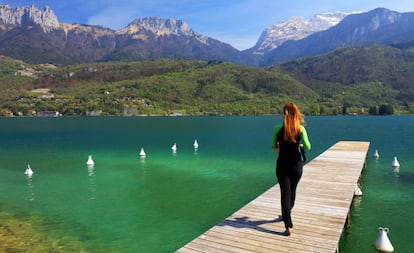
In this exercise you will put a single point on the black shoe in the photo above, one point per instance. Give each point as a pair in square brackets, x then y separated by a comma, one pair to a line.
[288, 231]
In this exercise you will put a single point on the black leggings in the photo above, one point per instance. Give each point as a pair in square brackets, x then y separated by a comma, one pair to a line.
[288, 176]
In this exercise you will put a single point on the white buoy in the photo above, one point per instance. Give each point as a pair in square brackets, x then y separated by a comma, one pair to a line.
[383, 243]
[142, 153]
[357, 191]
[395, 162]
[174, 148]
[90, 161]
[28, 171]
[376, 154]
[195, 144]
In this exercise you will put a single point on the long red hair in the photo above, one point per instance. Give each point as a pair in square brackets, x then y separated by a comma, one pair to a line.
[292, 120]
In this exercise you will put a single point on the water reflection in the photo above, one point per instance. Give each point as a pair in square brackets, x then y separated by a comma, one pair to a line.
[142, 168]
[396, 174]
[356, 203]
[90, 170]
[92, 183]
[30, 194]
[142, 160]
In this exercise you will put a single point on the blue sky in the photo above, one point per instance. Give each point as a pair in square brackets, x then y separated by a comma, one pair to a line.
[236, 22]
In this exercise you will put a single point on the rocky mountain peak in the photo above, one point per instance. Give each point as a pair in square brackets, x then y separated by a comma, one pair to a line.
[28, 15]
[324, 21]
[373, 20]
[140, 27]
[295, 28]
[161, 26]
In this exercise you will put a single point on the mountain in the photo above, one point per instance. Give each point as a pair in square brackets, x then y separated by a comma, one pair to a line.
[157, 87]
[358, 76]
[154, 38]
[351, 79]
[36, 36]
[295, 28]
[29, 15]
[379, 26]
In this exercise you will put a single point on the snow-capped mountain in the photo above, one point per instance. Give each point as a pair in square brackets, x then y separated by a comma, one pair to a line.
[379, 26]
[295, 28]
[36, 36]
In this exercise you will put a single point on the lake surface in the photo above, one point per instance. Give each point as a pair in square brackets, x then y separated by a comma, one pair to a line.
[158, 203]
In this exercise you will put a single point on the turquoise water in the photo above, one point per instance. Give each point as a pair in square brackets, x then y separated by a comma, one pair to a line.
[157, 204]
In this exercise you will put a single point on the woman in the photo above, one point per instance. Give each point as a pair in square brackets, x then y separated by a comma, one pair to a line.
[289, 138]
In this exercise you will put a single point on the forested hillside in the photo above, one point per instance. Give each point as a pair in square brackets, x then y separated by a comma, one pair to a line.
[161, 87]
[354, 80]
[359, 77]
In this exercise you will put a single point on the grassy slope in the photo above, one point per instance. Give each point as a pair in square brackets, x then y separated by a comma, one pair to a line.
[356, 78]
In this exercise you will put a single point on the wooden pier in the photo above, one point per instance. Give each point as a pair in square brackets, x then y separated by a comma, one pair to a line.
[323, 201]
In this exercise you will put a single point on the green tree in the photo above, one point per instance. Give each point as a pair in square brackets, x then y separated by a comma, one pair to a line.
[373, 110]
[387, 109]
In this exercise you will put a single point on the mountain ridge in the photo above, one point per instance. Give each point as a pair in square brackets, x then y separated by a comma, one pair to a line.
[295, 28]
[27, 15]
[36, 36]
[378, 26]
[324, 84]
[143, 38]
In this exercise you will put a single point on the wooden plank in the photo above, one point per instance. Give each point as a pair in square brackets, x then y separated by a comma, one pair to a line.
[323, 200]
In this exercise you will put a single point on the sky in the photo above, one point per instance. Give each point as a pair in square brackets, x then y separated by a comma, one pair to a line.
[236, 22]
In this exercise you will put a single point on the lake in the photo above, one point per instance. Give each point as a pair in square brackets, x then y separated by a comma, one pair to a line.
[125, 203]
